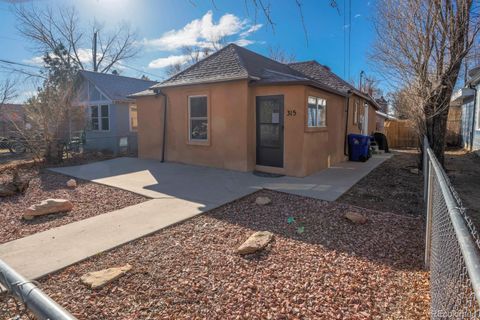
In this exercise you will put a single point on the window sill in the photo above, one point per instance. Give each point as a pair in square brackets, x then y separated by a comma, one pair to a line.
[204, 143]
[316, 129]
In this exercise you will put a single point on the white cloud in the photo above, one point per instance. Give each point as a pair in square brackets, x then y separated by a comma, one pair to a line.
[170, 60]
[36, 61]
[251, 30]
[85, 56]
[358, 15]
[202, 32]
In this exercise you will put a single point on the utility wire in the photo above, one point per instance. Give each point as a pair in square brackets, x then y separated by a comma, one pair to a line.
[349, 35]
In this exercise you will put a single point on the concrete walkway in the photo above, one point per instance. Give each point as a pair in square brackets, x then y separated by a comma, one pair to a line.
[216, 186]
[179, 192]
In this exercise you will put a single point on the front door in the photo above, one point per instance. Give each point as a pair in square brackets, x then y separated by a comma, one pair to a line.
[270, 131]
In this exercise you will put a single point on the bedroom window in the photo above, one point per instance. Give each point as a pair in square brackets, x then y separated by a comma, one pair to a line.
[317, 112]
[100, 118]
[198, 118]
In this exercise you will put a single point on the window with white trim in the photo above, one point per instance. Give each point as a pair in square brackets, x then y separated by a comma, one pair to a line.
[100, 118]
[133, 117]
[198, 118]
[317, 112]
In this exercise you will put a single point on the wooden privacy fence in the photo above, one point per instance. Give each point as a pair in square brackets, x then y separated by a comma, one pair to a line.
[401, 134]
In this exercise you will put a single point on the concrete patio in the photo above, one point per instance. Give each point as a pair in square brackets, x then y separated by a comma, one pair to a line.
[212, 186]
[179, 192]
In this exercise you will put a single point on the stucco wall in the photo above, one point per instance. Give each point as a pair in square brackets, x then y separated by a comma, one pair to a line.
[227, 143]
[232, 128]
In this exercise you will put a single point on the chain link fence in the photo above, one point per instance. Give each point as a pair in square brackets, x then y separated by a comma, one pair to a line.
[452, 247]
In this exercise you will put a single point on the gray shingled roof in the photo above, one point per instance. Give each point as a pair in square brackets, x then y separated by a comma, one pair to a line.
[116, 87]
[234, 62]
[322, 74]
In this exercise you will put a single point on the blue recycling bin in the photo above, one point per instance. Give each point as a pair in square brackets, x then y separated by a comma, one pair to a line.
[358, 147]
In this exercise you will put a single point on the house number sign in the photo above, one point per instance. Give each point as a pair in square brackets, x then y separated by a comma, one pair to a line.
[291, 113]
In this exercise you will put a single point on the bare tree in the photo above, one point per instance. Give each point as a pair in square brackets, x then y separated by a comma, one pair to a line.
[97, 50]
[194, 54]
[421, 45]
[7, 91]
[278, 54]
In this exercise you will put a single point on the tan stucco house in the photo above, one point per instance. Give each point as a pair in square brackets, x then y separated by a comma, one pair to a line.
[242, 111]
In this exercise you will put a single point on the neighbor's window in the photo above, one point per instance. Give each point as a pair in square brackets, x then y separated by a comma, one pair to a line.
[317, 112]
[100, 118]
[133, 117]
[198, 118]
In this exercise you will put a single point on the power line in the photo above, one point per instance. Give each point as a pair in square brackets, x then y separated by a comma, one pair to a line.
[19, 64]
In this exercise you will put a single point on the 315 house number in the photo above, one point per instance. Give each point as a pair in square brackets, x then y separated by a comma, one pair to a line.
[291, 113]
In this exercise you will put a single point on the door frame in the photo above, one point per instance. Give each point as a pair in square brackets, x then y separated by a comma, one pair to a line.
[281, 124]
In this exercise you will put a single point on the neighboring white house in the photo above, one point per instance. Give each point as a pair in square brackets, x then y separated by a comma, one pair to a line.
[468, 100]
[111, 116]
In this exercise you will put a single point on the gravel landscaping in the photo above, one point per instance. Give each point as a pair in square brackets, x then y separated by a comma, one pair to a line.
[318, 266]
[89, 199]
[391, 187]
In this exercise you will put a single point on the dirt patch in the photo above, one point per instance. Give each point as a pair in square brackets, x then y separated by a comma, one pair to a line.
[391, 187]
[319, 266]
[463, 169]
[89, 199]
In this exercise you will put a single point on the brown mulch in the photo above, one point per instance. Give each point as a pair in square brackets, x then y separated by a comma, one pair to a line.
[331, 270]
[89, 199]
[390, 187]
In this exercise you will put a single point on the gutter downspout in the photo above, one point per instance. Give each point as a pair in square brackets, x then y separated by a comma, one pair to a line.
[164, 123]
[347, 107]
[472, 133]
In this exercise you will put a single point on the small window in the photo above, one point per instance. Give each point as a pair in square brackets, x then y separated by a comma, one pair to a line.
[198, 118]
[100, 120]
[133, 118]
[317, 112]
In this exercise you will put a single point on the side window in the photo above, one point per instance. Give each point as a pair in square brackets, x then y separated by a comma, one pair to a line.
[100, 118]
[317, 112]
[198, 118]
[133, 118]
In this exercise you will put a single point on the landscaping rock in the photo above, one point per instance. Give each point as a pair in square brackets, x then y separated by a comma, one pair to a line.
[8, 189]
[414, 171]
[255, 242]
[263, 201]
[47, 207]
[356, 218]
[98, 279]
[72, 183]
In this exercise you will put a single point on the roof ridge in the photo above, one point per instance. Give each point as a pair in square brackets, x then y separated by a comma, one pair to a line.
[115, 75]
[242, 63]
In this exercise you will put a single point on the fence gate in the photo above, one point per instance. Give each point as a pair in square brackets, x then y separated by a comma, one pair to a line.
[452, 250]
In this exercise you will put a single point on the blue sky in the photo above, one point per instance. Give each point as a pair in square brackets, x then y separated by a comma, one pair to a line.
[163, 26]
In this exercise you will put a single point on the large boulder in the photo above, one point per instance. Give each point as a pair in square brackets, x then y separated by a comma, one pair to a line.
[355, 217]
[48, 206]
[255, 242]
[263, 201]
[17, 185]
[98, 279]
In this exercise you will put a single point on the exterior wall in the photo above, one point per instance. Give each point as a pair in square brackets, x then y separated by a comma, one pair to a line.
[232, 128]
[150, 127]
[119, 128]
[467, 118]
[228, 129]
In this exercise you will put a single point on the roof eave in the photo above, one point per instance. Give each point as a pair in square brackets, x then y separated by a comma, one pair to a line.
[208, 81]
[300, 82]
